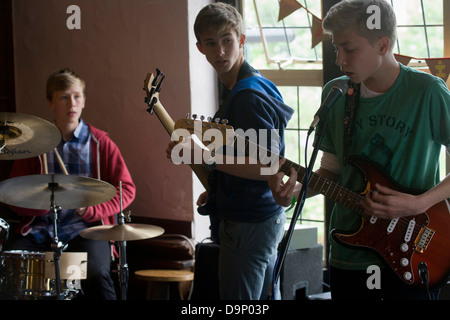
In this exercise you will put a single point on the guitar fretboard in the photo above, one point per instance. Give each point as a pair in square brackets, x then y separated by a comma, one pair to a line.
[316, 182]
[328, 188]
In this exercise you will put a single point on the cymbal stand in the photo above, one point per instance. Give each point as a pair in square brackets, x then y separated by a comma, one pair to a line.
[122, 267]
[57, 246]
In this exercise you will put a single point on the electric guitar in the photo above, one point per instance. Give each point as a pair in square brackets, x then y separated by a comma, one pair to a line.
[417, 247]
[152, 87]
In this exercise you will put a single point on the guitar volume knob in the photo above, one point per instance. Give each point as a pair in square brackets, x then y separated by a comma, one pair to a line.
[407, 276]
[404, 262]
[404, 247]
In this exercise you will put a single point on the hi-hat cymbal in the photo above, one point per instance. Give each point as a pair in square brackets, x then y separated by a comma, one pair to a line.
[122, 232]
[25, 136]
[71, 192]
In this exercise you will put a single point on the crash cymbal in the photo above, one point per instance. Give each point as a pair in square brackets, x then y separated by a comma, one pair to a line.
[25, 136]
[71, 192]
[122, 232]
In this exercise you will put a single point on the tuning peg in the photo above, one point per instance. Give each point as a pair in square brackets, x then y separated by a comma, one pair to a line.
[202, 117]
[224, 121]
[194, 116]
[209, 119]
[188, 115]
[217, 120]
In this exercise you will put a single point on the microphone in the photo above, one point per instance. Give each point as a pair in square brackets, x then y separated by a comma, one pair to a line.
[339, 88]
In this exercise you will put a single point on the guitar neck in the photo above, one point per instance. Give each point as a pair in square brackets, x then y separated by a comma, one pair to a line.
[164, 117]
[169, 125]
[326, 187]
[316, 182]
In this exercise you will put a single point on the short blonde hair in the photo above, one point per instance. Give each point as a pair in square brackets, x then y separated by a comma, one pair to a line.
[220, 16]
[62, 80]
[352, 14]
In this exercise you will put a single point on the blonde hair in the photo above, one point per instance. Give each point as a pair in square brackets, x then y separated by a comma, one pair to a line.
[220, 16]
[62, 80]
[352, 14]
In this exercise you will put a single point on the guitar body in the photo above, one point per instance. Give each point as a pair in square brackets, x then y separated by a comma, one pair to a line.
[407, 244]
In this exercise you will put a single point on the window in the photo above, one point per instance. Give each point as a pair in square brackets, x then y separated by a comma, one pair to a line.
[285, 56]
[420, 28]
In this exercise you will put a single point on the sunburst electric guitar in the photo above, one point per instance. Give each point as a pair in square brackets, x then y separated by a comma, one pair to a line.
[417, 247]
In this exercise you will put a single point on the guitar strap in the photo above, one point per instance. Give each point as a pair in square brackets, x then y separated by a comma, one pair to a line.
[244, 73]
[351, 106]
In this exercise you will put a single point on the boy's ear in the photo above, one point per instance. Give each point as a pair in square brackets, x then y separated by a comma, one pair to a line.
[199, 47]
[242, 40]
[384, 45]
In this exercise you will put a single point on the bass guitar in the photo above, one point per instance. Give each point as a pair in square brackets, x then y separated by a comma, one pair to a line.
[152, 88]
[416, 247]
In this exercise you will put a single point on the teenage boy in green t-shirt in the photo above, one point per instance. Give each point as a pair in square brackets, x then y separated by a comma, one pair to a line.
[401, 120]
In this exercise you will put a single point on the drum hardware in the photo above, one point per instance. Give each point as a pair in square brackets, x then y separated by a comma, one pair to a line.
[73, 267]
[122, 267]
[121, 233]
[72, 192]
[57, 246]
[4, 233]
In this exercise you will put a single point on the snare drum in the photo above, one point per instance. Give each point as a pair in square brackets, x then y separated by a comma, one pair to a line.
[23, 273]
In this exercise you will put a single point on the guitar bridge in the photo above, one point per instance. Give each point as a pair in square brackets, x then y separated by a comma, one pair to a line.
[423, 239]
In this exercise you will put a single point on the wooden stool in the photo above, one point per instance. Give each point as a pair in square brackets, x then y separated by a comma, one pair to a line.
[163, 280]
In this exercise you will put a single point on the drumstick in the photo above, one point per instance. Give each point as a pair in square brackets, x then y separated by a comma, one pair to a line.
[44, 159]
[61, 163]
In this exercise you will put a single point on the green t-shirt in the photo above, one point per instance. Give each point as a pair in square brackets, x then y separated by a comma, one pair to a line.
[402, 131]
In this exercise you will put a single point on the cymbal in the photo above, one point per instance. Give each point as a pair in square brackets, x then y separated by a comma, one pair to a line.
[71, 192]
[25, 136]
[122, 232]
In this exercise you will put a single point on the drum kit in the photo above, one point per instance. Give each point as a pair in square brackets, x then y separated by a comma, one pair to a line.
[40, 275]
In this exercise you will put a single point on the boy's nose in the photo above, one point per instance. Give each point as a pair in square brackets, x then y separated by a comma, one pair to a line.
[220, 50]
[340, 59]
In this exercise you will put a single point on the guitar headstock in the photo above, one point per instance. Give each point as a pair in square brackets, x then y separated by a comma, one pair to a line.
[207, 131]
[152, 87]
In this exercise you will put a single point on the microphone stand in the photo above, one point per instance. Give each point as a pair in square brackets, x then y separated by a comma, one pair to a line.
[284, 245]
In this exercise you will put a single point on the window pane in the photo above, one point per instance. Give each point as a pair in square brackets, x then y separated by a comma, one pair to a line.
[433, 12]
[420, 28]
[435, 36]
[412, 42]
[408, 12]
[286, 40]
